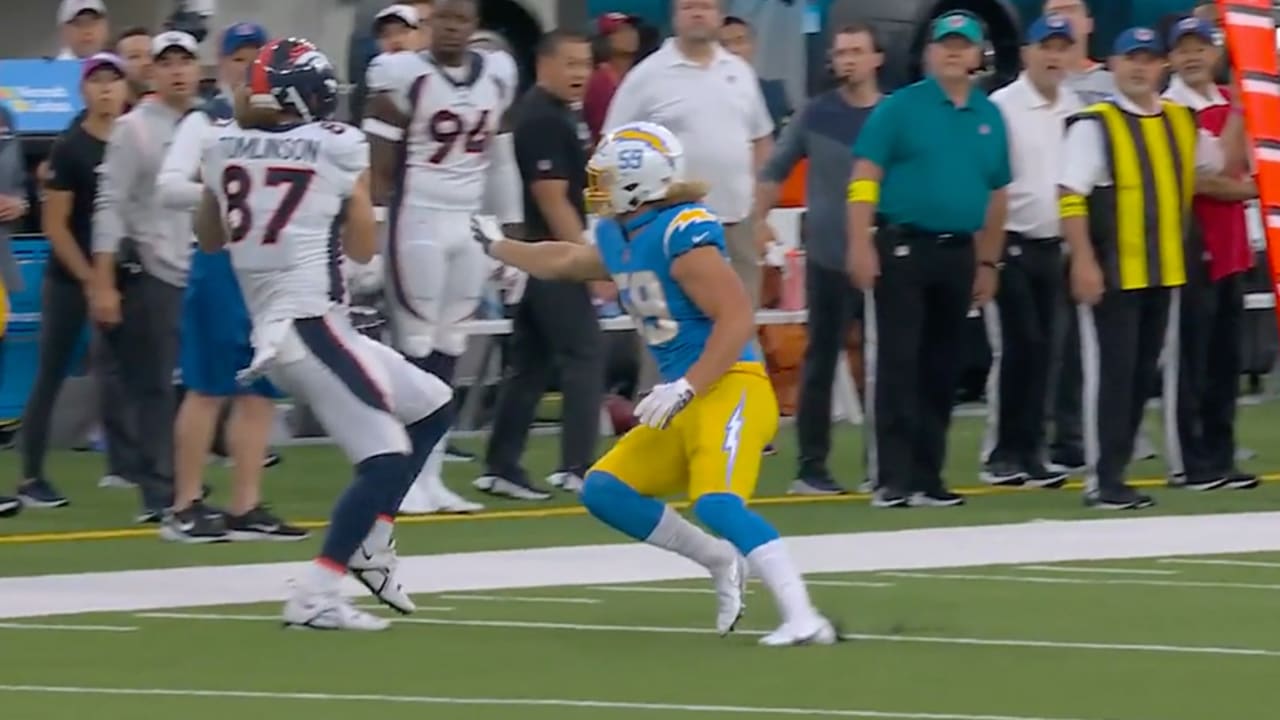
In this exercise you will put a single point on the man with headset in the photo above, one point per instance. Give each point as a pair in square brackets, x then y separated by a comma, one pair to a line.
[932, 176]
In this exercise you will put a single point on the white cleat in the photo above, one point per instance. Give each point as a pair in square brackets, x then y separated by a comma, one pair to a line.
[376, 570]
[813, 630]
[428, 497]
[323, 611]
[567, 481]
[730, 580]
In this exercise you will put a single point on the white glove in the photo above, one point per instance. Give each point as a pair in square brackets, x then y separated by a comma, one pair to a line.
[511, 284]
[660, 406]
[363, 279]
[486, 231]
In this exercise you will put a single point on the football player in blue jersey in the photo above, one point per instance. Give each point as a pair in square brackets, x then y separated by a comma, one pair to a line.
[704, 428]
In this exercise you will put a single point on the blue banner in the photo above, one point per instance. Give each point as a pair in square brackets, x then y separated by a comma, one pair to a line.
[42, 95]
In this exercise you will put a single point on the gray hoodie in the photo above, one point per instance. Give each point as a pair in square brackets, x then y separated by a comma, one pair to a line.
[13, 182]
[128, 206]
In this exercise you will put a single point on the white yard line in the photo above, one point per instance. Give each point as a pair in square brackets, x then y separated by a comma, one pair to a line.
[1082, 581]
[525, 599]
[1096, 570]
[675, 630]
[72, 628]
[422, 608]
[654, 590]
[614, 565]
[502, 702]
[1223, 563]
[847, 583]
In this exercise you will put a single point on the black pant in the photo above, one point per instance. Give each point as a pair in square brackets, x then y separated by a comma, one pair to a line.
[833, 305]
[146, 347]
[1020, 331]
[1065, 379]
[555, 326]
[915, 326]
[64, 310]
[1212, 320]
[1120, 342]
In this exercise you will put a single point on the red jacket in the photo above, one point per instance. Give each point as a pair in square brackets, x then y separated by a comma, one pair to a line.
[1226, 234]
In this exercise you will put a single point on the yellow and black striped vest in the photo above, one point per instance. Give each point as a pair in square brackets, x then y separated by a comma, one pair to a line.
[1139, 224]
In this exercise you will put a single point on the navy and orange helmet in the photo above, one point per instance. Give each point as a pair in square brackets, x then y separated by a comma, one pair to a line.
[291, 74]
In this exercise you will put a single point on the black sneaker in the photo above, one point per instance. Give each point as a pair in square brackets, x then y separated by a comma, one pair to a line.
[1123, 499]
[816, 485]
[9, 506]
[272, 459]
[517, 486]
[453, 453]
[195, 525]
[1197, 482]
[1237, 480]
[1071, 461]
[262, 524]
[1039, 476]
[40, 493]
[1002, 473]
[770, 450]
[936, 498]
[886, 498]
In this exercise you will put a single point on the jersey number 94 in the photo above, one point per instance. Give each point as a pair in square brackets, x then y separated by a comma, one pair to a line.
[642, 296]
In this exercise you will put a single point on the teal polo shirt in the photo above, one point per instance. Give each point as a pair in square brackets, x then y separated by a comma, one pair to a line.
[940, 162]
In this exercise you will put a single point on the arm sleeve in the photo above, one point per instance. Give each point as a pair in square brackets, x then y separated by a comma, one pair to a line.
[62, 171]
[502, 182]
[116, 178]
[1085, 165]
[876, 141]
[628, 101]
[693, 227]
[390, 73]
[760, 123]
[177, 183]
[1003, 171]
[540, 150]
[789, 150]
[1209, 155]
[350, 157]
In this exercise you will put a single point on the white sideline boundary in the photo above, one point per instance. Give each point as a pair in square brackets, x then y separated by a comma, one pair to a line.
[595, 565]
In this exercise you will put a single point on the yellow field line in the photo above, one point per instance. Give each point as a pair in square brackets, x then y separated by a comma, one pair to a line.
[532, 513]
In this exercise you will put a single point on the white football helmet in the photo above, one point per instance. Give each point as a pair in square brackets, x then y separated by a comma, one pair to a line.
[634, 164]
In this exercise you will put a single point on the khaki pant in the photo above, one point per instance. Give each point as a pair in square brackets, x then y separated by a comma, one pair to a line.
[745, 258]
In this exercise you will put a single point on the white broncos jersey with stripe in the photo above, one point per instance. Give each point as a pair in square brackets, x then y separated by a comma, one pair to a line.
[454, 113]
[282, 194]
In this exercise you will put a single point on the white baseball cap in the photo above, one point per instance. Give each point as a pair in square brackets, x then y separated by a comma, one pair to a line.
[70, 9]
[407, 14]
[174, 39]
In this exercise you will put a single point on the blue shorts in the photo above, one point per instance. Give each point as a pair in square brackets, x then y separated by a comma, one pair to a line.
[215, 331]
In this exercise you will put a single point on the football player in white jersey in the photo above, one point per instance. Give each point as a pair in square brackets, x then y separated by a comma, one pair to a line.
[286, 190]
[441, 153]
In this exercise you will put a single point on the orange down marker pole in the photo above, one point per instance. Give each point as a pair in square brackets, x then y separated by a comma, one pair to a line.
[1251, 42]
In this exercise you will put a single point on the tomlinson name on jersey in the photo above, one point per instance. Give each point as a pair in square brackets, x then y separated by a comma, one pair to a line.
[238, 147]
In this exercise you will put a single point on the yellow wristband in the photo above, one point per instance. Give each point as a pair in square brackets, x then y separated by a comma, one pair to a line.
[864, 191]
[1072, 206]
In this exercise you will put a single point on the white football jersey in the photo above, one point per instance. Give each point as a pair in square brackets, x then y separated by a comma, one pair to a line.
[454, 113]
[282, 195]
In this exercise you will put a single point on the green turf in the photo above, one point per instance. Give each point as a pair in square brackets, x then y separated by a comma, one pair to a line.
[305, 485]
[889, 671]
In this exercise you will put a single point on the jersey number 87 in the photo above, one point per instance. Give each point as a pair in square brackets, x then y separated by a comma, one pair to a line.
[237, 185]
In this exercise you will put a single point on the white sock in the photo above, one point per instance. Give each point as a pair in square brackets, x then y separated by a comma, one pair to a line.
[321, 578]
[682, 537]
[772, 564]
[429, 478]
[380, 535]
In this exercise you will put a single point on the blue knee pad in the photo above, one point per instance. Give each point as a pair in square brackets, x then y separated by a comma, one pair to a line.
[727, 516]
[617, 505]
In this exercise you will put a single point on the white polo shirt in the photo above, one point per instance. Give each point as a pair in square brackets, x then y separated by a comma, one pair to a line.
[1086, 165]
[1037, 140]
[716, 111]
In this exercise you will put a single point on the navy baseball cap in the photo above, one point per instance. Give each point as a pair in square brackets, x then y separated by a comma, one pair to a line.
[1191, 26]
[1138, 39]
[1047, 27]
[242, 35]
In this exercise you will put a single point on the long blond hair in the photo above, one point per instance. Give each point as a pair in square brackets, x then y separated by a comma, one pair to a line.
[686, 191]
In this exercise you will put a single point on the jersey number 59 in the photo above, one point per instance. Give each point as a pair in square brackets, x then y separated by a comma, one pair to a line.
[237, 185]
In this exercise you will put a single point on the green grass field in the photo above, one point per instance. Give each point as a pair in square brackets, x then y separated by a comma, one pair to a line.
[943, 624]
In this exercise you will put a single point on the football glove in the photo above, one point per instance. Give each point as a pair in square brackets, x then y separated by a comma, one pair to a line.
[486, 231]
[661, 405]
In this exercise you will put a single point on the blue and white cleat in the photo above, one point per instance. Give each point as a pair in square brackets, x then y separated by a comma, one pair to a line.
[812, 630]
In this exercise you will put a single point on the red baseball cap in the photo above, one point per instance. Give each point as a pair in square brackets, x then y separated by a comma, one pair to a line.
[610, 23]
